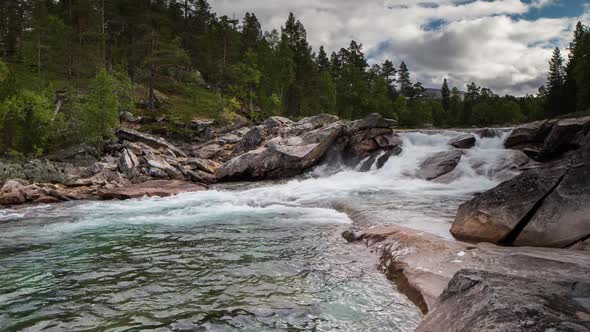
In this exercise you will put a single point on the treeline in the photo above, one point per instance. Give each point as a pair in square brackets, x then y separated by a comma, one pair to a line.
[132, 50]
[568, 84]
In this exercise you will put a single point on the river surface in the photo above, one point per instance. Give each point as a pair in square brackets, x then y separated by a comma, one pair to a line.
[249, 257]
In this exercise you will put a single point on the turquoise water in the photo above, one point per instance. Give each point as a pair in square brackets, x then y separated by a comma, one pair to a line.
[163, 265]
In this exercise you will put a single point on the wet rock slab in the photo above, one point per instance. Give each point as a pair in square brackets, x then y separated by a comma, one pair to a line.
[155, 188]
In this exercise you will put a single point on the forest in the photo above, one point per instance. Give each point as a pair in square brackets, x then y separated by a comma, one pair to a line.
[70, 68]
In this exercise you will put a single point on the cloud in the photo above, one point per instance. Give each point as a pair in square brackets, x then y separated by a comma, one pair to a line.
[464, 40]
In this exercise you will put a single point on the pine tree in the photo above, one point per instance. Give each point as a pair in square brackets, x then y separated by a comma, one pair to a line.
[405, 85]
[445, 95]
[555, 84]
[322, 60]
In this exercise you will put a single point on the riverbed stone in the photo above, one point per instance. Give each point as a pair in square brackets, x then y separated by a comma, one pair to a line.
[466, 141]
[154, 188]
[439, 164]
[152, 141]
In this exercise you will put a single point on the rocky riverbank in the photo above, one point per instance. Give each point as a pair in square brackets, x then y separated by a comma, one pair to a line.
[505, 232]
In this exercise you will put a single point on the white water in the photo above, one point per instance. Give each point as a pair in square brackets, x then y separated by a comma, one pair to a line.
[392, 193]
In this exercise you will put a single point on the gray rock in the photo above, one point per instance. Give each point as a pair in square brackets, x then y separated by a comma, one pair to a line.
[489, 133]
[153, 141]
[282, 157]
[373, 120]
[563, 136]
[127, 161]
[204, 165]
[466, 141]
[157, 173]
[201, 177]
[439, 164]
[485, 301]
[495, 214]
[563, 218]
[529, 135]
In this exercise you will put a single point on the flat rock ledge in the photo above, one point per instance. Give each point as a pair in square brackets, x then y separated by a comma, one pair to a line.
[156, 188]
[458, 284]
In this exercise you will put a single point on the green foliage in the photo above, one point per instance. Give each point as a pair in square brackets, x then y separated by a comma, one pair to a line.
[98, 112]
[27, 122]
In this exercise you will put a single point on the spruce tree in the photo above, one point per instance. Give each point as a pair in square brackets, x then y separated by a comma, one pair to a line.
[445, 95]
[555, 84]
[405, 85]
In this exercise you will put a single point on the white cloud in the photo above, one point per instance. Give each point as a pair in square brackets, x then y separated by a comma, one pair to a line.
[477, 40]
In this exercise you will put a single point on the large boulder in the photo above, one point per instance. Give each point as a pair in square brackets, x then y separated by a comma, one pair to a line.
[373, 120]
[282, 157]
[256, 136]
[159, 162]
[563, 218]
[486, 302]
[489, 133]
[563, 136]
[529, 135]
[439, 164]
[495, 215]
[153, 141]
[466, 141]
[157, 188]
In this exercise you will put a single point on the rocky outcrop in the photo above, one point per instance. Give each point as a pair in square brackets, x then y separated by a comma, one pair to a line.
[439, 164]
[126, 134]
[282, 157]
[158, 188]
[563, 218]
[499, 302]
[531, 135]
[489, 133]
[423, 264]
[549, 139]
[496, 214]
[543, 206]
[466, 141]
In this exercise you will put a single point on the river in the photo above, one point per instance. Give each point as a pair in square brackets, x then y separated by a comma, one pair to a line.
[251, 257]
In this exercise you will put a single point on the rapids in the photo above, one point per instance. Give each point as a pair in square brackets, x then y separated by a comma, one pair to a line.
[253, 256]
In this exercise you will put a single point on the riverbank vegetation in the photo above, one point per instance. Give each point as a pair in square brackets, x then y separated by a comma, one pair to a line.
[68, 69]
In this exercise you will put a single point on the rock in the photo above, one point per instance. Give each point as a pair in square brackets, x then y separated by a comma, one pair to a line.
[388, 154]
[128, 117]
[308, 124]
[466, 141]
[138, 148]
[127, 161]
[529, 135]
[439, 164]
[349, 236]
[422, 264]
[581, 245]
[389, 141]
[563, 218]
[489, 133]
[499, 302]
[157, 173]
[282, 157]
[373, 120]
[158, 188]
[156, 161]
[494, 215]
[11, 193]
[152, 141]
[211, 150]
[563, 137]
[201, 177]
[204, 165]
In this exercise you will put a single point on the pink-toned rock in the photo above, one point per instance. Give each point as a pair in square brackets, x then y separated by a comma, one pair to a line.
[157, 188]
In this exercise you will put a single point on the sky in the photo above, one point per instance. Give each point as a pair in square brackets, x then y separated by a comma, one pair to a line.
[504, 45]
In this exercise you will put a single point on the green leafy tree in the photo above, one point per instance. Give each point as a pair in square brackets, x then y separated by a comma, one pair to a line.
[99, 111]
[247, 79]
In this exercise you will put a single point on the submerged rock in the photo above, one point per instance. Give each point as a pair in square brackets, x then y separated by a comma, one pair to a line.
[439, 164]
[466, 141]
